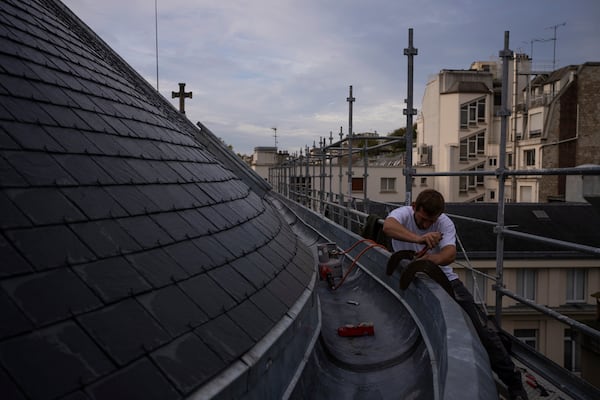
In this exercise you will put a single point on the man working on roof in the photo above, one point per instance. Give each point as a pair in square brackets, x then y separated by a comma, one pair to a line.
[426, 230]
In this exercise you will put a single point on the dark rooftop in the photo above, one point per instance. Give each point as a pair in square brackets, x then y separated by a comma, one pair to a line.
[137, 261]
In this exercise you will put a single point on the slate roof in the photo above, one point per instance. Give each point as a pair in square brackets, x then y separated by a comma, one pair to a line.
[136, 262]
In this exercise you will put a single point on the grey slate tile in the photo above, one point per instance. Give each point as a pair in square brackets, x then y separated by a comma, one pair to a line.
[145, 231]
[216, 250]
[95, 202]
[10, 176]
[26, 111]
[251, 267]
[6, 141]
[124, 330]
[13, 262]
[209, 296]
[157, 267]
[71, 140]
[277, 263]
[269, 304]
[32, 137]
[294, 287]
[188, 362]
[107, 145]
[252, 320]
[184, 174]
[216, 214]
[106, 238]
[248, 268]
[138, 381]
[232, 282]
[33, 359]
[45, 206]
[112, 279]
[132, 200]
[172, 223]
[51, 296]
[189, 257]
[10, 215]
[225, 338]
[120, 170]
[200, 224]
[278, 287]
[237, 244]
[51, 246]
[39, 169]
[199, 194]
[175, 312]
[84, 169]
[10, 313]
[8, 388]
[168, 197]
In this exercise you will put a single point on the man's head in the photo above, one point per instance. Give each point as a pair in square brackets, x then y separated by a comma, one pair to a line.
[428, 207]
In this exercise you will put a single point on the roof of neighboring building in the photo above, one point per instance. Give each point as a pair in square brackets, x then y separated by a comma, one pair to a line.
[569, 222]
[468, 87]
[136, 262]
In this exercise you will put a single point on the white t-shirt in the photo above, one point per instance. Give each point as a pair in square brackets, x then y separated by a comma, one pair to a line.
[406, 216]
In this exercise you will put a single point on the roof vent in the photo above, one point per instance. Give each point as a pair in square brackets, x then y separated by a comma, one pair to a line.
[541, 215]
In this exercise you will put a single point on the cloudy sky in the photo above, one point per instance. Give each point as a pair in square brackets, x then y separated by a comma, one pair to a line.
[288, 64]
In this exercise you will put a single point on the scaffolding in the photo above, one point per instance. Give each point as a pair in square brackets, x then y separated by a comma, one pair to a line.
[310, 179]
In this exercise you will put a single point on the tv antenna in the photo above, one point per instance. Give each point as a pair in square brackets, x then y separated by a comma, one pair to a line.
[275, 135]
[555, 27]
[156, 38]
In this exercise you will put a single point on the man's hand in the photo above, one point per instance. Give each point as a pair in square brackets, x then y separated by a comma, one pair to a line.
[431, 239]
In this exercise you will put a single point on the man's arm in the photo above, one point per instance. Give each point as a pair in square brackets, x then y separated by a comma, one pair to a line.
[446, 256]
[394, 229]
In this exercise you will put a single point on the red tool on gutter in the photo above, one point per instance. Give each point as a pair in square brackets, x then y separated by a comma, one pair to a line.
[362, 329]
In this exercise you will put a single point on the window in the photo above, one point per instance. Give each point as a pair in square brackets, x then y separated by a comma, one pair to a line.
[529, 156]
[462, 184]
[480, 143]
[481, 110]
[492, 195]
[526, 194]
[423, 181]
[463, 150]
[527, 336]
[509, 159]
[472, 113]
[388, 185]
[479, 178]
[576, 283]
[572, 351]
[472, 146]
[471, 182]
[535, 125]
[357, 184]
[493, 161]
[526, 283]
[464, 117]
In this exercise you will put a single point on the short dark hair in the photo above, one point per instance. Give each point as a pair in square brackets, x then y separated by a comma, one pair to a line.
[431, 202]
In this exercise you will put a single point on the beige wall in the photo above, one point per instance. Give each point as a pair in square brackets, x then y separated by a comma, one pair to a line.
[551, 290]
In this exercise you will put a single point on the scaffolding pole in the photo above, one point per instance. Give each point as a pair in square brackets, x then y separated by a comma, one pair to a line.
[409, 111]
[506, 55]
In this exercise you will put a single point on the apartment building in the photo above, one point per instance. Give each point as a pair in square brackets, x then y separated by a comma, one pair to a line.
[554, 123]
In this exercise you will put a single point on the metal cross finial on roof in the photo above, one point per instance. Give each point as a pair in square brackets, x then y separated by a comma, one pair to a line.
[182, 94]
